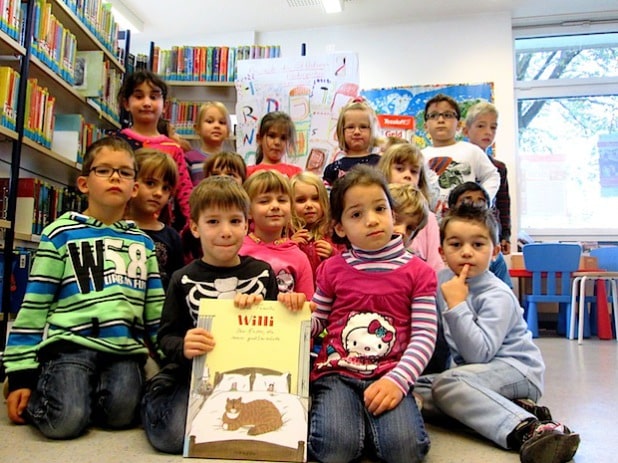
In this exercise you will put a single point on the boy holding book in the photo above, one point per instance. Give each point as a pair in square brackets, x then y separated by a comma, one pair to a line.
[219, 218]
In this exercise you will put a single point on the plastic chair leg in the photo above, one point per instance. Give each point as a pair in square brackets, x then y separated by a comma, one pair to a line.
[532, 319]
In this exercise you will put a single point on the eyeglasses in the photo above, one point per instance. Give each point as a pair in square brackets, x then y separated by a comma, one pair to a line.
[106, 172]
[446, 115]
[354, 128]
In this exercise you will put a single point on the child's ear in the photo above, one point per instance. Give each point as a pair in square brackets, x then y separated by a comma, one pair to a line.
[82, 184]
[339, 230]
[193, 228]
[441, 251]
[464, 130]
[497, 248]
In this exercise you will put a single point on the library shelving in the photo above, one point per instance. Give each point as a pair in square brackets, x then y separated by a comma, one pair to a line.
[27, 153]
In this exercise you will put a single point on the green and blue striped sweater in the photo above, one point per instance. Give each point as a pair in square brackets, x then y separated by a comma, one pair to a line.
[91, 285]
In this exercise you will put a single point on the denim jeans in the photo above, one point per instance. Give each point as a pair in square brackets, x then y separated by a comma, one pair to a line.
[340, 425]
[84, 386]
[479, 396]
[164, 410]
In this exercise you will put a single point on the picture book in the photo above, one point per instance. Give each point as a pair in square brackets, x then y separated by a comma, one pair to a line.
[249, 396]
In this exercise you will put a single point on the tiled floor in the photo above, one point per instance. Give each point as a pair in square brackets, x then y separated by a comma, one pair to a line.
[581, 390]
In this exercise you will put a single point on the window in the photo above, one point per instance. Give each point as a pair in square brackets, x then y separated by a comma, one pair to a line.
[567, 115]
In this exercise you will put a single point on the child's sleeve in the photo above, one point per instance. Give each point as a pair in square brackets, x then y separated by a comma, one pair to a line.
[20, 357]
[423, 333]
[175, 321]
[304, 277]
[323, 299]
[153, 301]
[487, 175]
[185, 185]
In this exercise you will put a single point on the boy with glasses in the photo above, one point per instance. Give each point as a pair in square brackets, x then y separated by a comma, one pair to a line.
[76, 352]
[454, 162]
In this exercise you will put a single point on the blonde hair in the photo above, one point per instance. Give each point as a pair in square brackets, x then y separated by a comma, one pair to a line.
[358, 105]
[322, 226]
[218, 191]
[409, 200]
[268, 181]
[202, 112]
[479, 109]
[155, 163]
[403, 153]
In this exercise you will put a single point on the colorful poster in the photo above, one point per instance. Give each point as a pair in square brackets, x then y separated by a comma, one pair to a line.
[400, 110]
[311, 89]
[249, 396]
[608, 164]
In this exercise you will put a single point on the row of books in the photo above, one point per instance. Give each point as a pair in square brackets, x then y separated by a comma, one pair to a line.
[9, 83]
[39, 203]
[182, 115]
[10, 18]
[53, 43]
[97, 16]
[206, 64]
[39, 117]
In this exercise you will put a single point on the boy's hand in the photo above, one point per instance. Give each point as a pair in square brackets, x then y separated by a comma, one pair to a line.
[16, 403]
[324, 249]
[381, 396]
[456, 290]
[198, 341]
[245, 301]
[301, 236]
[293, 301]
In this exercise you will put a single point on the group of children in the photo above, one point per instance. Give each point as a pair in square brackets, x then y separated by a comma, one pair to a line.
[400, 345]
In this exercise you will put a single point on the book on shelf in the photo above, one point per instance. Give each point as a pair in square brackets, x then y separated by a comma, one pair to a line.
[9, 84]
[90, 73]
[10, 18]
[245, 402]
[40, 105]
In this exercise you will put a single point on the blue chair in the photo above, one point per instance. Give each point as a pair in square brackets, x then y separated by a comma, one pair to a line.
[607, 259]
[550, 262]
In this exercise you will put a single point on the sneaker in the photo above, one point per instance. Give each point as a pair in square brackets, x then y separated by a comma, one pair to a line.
[542, 413]
[549, 442]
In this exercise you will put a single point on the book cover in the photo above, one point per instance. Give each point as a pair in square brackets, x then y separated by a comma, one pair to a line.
[67, 136]
[249, 396]
[89, 73]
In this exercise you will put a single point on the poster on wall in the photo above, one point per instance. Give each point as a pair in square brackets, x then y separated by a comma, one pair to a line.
[311, 89]
[400, 110]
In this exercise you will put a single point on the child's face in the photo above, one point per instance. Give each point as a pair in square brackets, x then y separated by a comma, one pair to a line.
[406, 224]
[213, 129]
[482, 132]
[227, 172]
[109, 195]
[307, 203]
[274, 143]
[145, 104]
[271, 212]
[467, 243]
[221, 233]
[441, 123]
[357, 132]
[367, 219]
[405, 173]
[152, 194]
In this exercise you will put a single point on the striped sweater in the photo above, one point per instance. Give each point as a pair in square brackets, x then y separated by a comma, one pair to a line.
[379, 310]
[91, 285]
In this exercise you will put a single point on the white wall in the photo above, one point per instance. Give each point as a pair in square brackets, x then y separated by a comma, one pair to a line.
[467, 49]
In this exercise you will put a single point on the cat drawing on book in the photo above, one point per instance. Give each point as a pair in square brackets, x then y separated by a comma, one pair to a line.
[262, 415]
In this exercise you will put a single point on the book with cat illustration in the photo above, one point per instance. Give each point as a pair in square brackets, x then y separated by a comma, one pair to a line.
[249, 396]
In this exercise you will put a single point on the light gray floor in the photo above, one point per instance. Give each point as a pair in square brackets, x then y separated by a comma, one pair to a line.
[581, 390]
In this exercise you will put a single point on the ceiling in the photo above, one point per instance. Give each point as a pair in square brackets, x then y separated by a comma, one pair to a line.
[186, 18]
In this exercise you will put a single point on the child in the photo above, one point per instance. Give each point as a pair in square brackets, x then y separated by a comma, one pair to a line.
[411, 210]
[213, 128]
[378, 340]
[357, 135]
[480, 128]
[143, 96]
[403, 163]
[75, 354]
[271, 212]
[226, 163]
[275, 138]
[497, 363]
[473, 193]
[454, 161]
[311, 219]
[157, 179]
[219, 211]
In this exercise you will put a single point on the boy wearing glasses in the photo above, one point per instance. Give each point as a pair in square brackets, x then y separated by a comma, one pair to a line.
[454, 162]
[75, 354]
